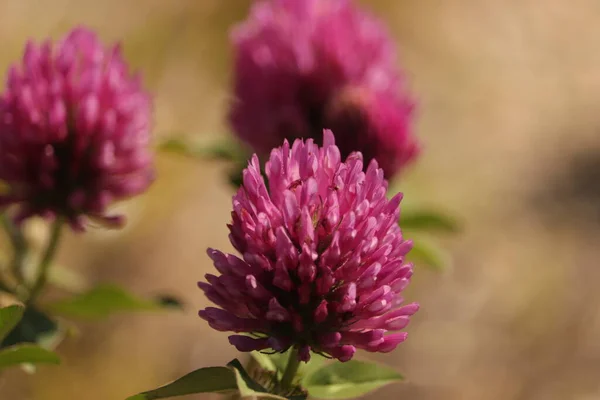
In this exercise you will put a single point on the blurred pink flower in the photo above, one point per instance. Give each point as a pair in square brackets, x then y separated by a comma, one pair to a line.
[74, 131]
[302, 66]
[323, 257]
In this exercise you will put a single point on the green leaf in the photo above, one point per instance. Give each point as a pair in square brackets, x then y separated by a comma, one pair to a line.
[227, 150]
[26, 353]
[428, 220]
[244, 381]
[316, 362]
[428, 254]
[9, 318]
[203, 380]
[34, 326]
[175, 145]
[235, 176]
[50, 340]
[168, 301]
[349, 379]
[101, 302]
[66, 279]
[211, 380]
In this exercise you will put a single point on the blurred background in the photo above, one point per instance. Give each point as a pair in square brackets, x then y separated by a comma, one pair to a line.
[509, 100]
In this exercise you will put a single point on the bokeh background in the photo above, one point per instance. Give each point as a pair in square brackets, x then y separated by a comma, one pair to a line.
[509, 111]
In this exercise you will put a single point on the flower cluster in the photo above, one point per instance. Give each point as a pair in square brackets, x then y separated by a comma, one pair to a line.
[304, 66]
[323, 258]
[74, 131]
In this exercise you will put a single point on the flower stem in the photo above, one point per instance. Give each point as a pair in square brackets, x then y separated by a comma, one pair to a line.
[290, 370]
[42, 271]
[19, 245]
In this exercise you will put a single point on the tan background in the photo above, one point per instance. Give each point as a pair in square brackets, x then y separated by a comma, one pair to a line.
[509, 93]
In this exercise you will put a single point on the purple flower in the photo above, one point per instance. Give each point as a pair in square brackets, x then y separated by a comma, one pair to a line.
[302, 66]
[74, 131]
[322, 264]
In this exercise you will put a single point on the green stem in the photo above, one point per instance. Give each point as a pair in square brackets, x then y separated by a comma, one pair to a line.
[42, 271]
[290, 370]
[19, 244]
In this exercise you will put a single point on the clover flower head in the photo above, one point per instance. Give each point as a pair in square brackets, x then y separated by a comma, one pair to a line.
[74, 131]
[322, 263]
[304, 66]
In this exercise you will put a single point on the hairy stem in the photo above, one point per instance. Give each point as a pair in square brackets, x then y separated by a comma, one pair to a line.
[48, 256]
[20, 247]
[290, 370]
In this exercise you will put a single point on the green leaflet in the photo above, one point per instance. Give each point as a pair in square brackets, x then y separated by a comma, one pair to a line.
[349, 379]
[428, 254]
[9, 318]
[428, 220]
[203, 380]
[26, 354]
[103, 301]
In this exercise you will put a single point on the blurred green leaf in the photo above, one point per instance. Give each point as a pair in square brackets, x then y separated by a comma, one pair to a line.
[26, 353]
[174, 145]
[227, 150]
[247, 387]
[428, 220]
[235, 176]
[316, 362]
[429, 254]
[101, 302]
[244, 381]
[9, 318]
[349, 379]
[51, 340]
[203, 380]
[66, 279]
[168, 301]
[34, 326]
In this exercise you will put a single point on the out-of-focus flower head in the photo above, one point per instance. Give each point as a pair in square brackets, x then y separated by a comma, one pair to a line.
[302, 66]
[323, 258]
[74, 131]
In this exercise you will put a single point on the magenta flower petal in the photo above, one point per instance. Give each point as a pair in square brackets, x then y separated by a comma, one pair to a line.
[323, 262]
[74, 131]
[245, 343]
[304, 66]
[304, 353]
[391, 341]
